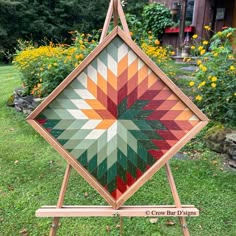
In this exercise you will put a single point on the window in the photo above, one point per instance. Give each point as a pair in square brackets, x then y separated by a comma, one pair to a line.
[189, 11]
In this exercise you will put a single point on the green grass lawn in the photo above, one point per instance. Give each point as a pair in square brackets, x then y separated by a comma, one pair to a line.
[31, 173]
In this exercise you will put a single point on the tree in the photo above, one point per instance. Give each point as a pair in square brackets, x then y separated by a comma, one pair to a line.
[135, 7]
[47, 19]
[8, 26]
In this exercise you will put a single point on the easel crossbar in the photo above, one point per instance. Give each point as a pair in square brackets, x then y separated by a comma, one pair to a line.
[126, 211]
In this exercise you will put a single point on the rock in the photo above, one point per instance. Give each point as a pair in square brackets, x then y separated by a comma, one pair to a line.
[10, 101]
[189, 68]
[232, 163]
[222, 140]
[215, 138]
[38, 100]
[230, 145]
[180, 156]
[23, 103]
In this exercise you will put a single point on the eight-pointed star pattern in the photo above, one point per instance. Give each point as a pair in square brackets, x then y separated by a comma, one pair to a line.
[117, 118]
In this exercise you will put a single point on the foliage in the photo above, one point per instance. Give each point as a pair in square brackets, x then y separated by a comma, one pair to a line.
[8, 31]
[40, 19]
[156, 17]
[152, 47]
[199, 47]
[44, 67]
[215, 85]
[135, 7]
[135, 27]
[158, 53]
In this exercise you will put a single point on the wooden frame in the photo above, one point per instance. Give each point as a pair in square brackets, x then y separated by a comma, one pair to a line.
[116, 204]
[115, 8]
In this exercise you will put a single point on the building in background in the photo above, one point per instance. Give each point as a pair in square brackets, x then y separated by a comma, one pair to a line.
[216, 13]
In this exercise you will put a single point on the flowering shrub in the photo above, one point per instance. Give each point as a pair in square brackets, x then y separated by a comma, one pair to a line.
[200, 48]
[44, 67]
[158, 53]
[156, 17]
[153, 48]
[215, 84]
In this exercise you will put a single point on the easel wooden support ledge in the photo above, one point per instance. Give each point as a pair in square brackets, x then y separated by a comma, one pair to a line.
[125, 211]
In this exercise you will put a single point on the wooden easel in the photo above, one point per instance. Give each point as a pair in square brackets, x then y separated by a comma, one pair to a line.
[59, 210]
[106, 211]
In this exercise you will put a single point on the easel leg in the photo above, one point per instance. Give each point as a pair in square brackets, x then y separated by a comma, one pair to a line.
[182, 220]
[55, 222]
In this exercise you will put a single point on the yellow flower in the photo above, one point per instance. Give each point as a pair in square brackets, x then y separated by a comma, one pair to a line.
[82, 47]
[172, 53]
[200, 48]
[207, 27]
[203, 68]
[150, 37]
[49, 66]
[214, 79]
[232, 68]
[198, 98]
[55, 64]
[41, 68]
[205, 42]
[191, 84]
[215, 54]
[231, 56]
[81, 56]
[234, 94]
[228, 35]
[209, 77]
[157, 42]
[202, 51]
[202, 84]
[213, 85]
[195, 36]
[199, 62]
[193, 47]
[219, 33]
[76, 64]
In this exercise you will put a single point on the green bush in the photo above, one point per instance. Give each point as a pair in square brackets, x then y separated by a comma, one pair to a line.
[215, 85]
[43, 68]
[135, 27]
[156, 17]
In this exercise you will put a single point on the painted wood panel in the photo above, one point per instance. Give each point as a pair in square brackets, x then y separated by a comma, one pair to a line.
[117, 118]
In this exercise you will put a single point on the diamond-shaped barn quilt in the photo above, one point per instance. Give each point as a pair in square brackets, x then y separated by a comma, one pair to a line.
[117, 118]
